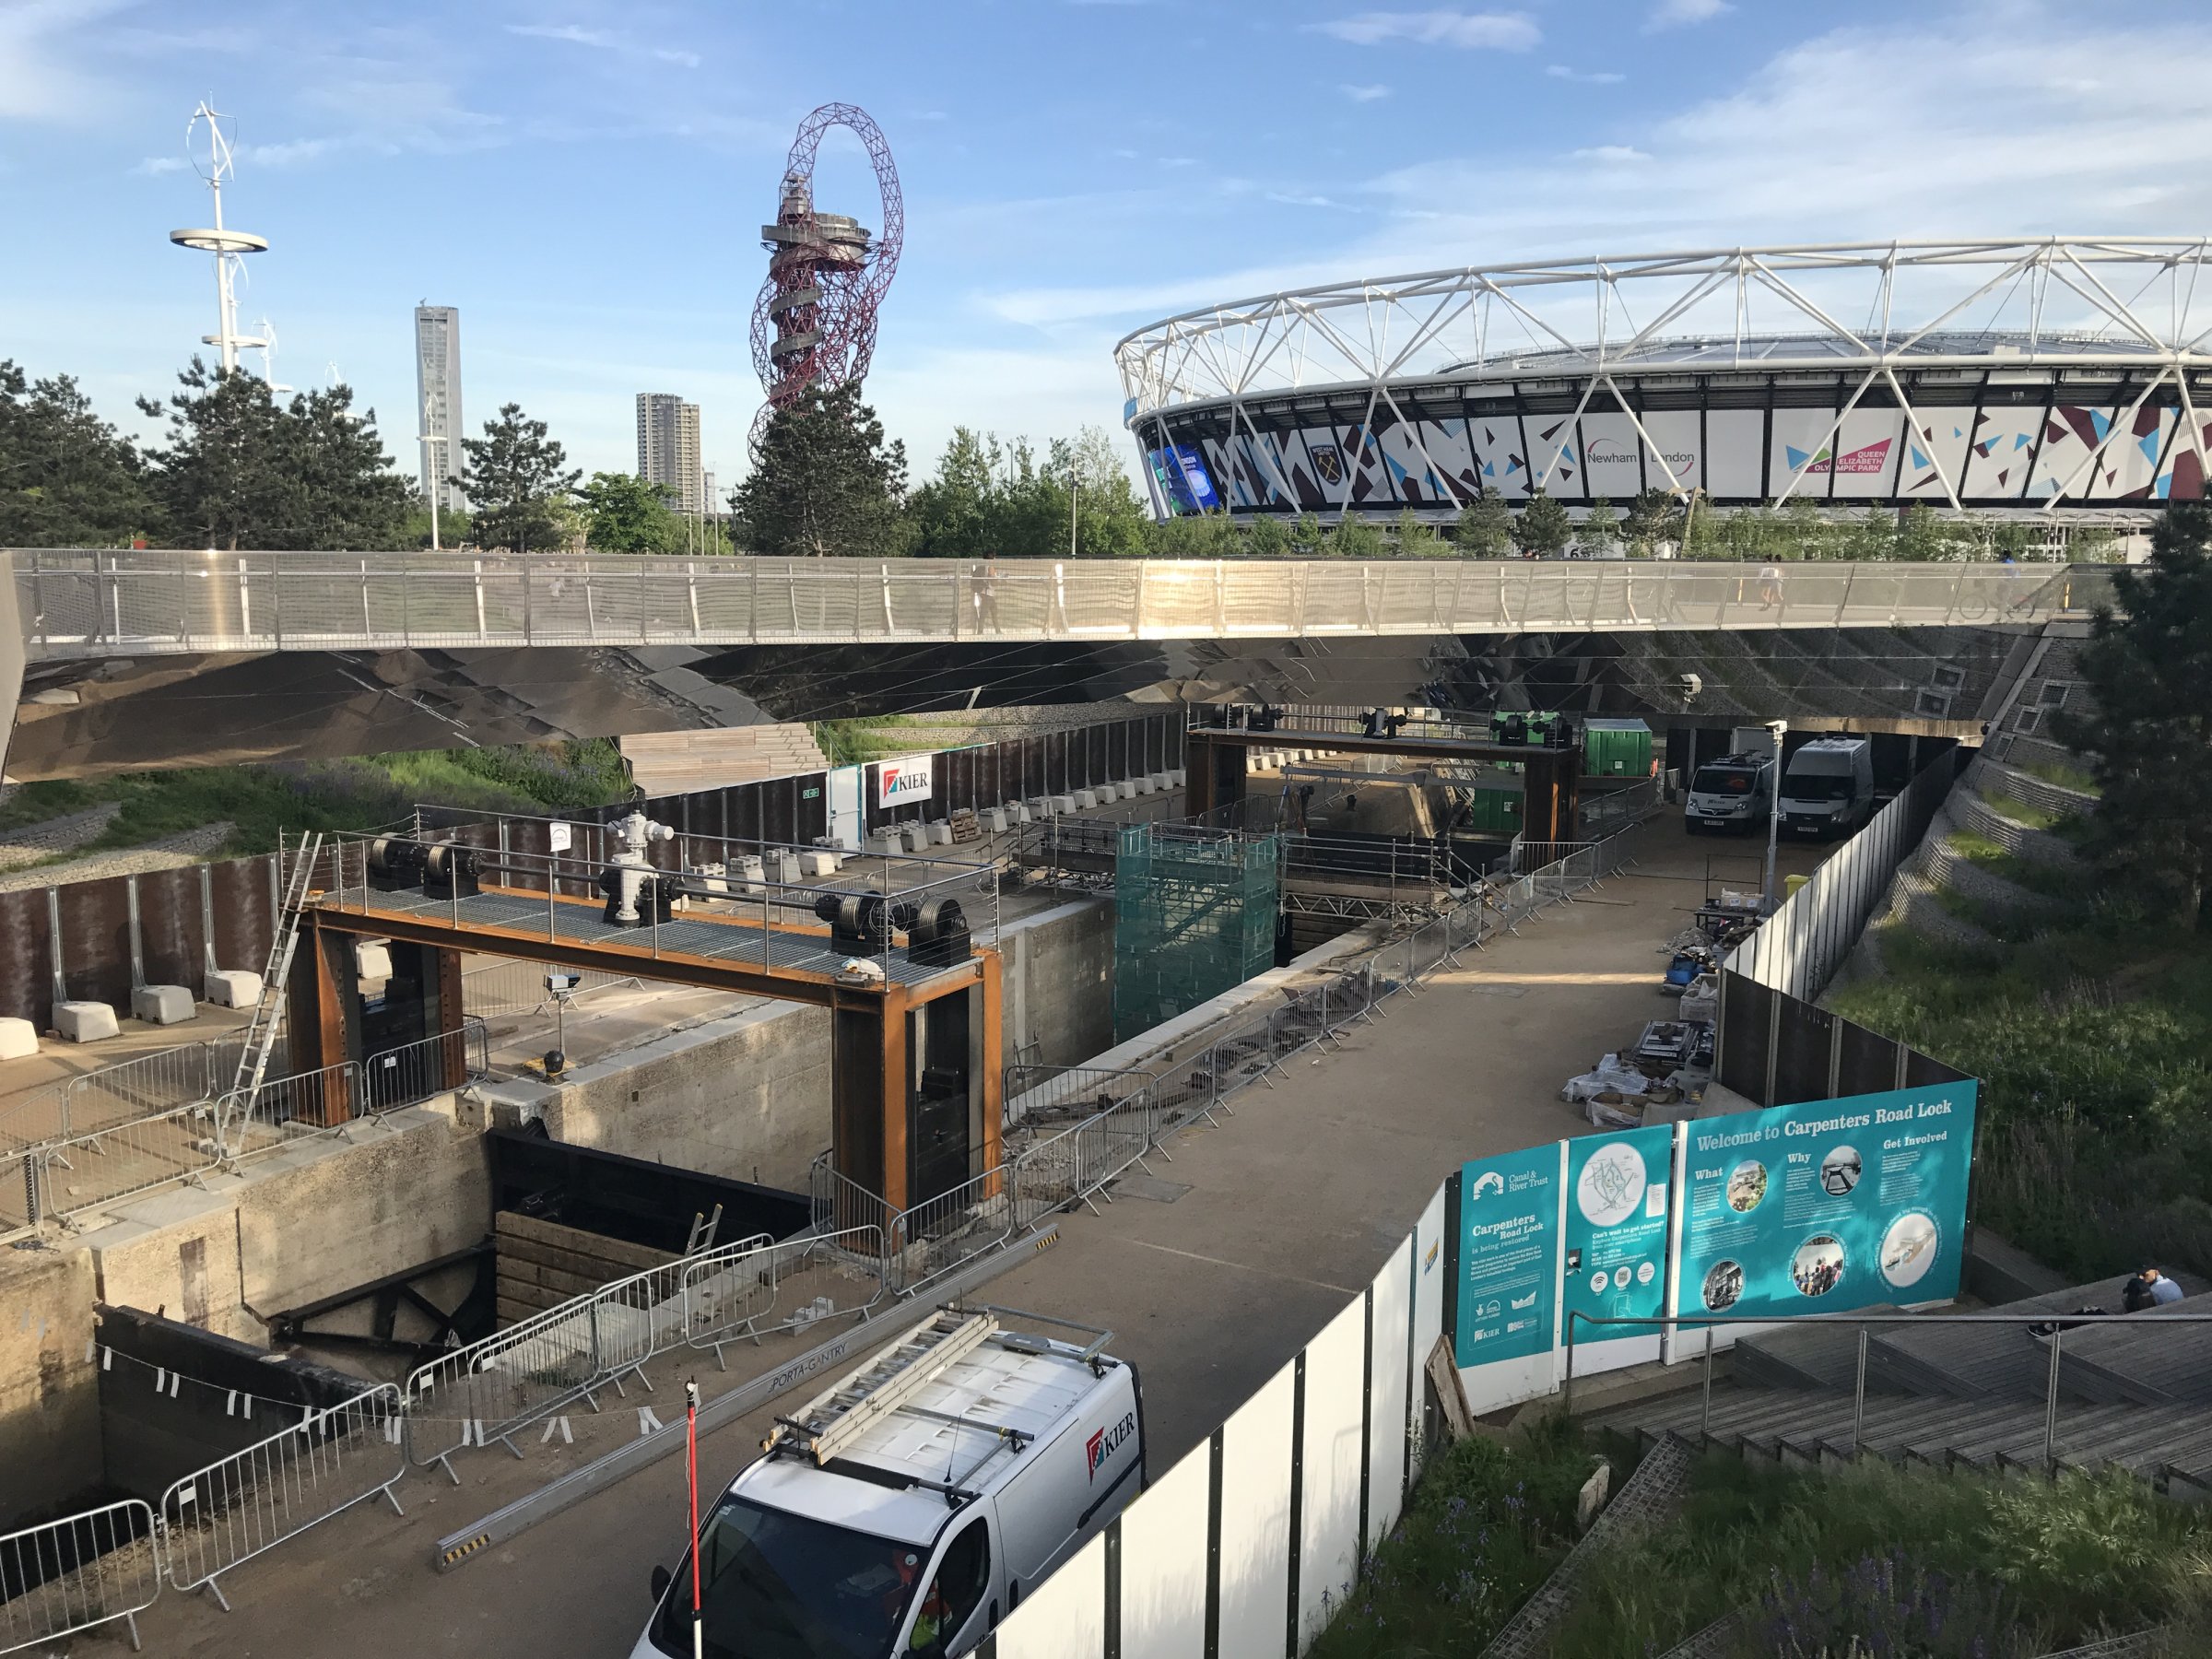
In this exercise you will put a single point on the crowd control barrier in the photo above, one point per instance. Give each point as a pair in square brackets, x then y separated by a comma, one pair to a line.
[246, 1504]
[78, 1574]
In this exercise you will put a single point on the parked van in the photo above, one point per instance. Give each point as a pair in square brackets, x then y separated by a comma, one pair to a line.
[909, 1506]
[1737, 791]
[1829, 787]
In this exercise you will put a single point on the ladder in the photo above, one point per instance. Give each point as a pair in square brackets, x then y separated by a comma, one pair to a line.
[829, 1422]
[268, 1012]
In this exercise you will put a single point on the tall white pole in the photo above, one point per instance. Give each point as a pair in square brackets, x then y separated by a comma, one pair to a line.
[1779, 727]
[1074, 489]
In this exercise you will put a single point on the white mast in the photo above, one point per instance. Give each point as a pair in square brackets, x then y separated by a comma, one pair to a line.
[229, 246]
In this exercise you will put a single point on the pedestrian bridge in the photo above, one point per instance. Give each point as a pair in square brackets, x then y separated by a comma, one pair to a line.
[75, 605]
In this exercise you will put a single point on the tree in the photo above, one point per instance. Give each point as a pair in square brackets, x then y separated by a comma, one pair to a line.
[1652, 517]
[2148, 734]
[1921, 536]
[453, 527]
[1355, 538]
[1543, 529]
[1415, 539]
[2015, 540]
[827, 484]
[1109, 520]
[1485, 529]
[67, 478]
[1268, 538]
[1306, 535]
[626, 514]
[1601, 529]
[518, 480]
[242, 471]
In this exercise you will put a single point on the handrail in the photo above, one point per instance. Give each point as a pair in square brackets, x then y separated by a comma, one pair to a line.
[1862, 1320]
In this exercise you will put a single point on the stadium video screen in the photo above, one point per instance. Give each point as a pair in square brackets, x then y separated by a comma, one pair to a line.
[1180, 474]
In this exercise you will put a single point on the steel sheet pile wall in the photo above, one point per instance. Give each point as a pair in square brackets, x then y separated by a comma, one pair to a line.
[1245, 1547]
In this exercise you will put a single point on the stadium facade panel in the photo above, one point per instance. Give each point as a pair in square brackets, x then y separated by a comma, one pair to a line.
[2083, 385]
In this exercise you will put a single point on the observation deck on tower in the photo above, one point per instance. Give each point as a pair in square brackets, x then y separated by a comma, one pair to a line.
[802, 245]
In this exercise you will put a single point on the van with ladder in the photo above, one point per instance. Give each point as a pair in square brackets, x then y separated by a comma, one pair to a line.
[911, 1504]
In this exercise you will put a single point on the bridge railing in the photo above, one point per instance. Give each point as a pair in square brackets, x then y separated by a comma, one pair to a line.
[149, 602]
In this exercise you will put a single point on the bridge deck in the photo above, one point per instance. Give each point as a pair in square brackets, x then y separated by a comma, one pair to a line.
[78, 603]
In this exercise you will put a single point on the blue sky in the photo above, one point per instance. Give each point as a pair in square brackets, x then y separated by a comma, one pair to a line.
[586, 180]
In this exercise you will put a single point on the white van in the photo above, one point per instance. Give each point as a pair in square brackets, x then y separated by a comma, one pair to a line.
[911, 1505]
[1737, 791]
[1828, 788]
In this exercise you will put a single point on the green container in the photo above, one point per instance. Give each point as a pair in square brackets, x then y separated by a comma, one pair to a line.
[1494, 812]
[1617, 748]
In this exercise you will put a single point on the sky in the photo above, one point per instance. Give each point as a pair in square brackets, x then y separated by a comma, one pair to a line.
[586, 180]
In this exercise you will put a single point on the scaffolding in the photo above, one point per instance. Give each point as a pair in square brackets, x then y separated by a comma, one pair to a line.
[1195, 915]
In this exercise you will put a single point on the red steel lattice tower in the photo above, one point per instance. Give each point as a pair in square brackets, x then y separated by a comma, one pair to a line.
[814, 325]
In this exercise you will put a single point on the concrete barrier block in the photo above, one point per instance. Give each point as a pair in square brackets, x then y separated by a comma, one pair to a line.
[1062, 803]
[887, 842]
[1086, 799]
[1108, 794]
[232, 988]
[1160, 781]
[818, 864]
[994, 820]
[1018, 811]
[162, 1005]
[940, 833]
[783, 868]
[19, 1038]
[917, 837]
[85, 1021]
[1179, 777]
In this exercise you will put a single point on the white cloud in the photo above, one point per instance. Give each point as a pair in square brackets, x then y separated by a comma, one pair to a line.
[1585, 78]
[1365, 94]
[1610, 154]
[1499, 31]
[1290, 199]
[1681, 14]
[604, 40]
[154, 166]
[37, 81]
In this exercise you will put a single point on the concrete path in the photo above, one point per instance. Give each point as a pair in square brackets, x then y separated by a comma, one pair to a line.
[1292, 1204]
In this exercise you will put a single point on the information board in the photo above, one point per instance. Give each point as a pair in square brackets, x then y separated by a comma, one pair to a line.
[1509, 1241]
[1827, 1206]
[1618, 1192]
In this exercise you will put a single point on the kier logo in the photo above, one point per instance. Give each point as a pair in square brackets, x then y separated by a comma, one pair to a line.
[1103, 1442]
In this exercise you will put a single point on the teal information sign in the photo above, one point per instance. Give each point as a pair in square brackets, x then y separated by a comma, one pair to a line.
[1509, 1241]
[1619, 1203]
[1827, 1206]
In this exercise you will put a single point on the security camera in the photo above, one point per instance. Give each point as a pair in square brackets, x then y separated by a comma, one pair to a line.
[1691, 685]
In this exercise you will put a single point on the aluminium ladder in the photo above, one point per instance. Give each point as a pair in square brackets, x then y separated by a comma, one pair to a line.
[268, 1011]
[829, 1422]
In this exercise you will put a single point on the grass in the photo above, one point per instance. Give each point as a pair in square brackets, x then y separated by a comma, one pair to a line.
[2021, 872]
[2065, 773]
[1489, 1522]
[1900, 1560]
[329, 795]
[2068, 825]
[2094, 1046]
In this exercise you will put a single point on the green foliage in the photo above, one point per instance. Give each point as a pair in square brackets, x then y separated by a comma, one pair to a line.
[1415, 539]
[1306, 535]
[67, 478]
[242, 471]
[2147, 736]
[519, 482]
[2065, 773]
[1652, 517]
[1601, 529]
[1268, 540]
[1356, 538]
[826, 484]
[1543, 530]
[1486, 1524]
[626, 514]
[454, 528]
[1485, 529]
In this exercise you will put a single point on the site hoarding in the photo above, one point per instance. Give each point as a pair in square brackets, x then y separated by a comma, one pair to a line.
[1619, 1192]
[1821, 1207]
[1827, 1206]
[1508, 1256]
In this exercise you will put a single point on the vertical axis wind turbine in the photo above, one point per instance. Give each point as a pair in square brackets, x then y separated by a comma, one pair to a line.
[229, 247]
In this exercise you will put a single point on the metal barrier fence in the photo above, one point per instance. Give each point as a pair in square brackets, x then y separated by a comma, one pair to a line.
[784, 1287]
[501, 1383]
[83, 604]
[60, 1178]
[1798, 949]
[1063, 1093]
[505, 987]
[127, 1091]
[240, 1506]
[77, 1573]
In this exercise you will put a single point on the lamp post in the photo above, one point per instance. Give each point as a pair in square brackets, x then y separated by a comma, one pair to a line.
[429, 440]
[1074, 491]
[1779, 727]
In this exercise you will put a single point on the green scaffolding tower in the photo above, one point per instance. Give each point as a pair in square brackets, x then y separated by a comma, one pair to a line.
[1194, 914]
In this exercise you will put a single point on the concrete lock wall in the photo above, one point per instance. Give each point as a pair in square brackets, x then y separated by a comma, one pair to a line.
[49, 1391]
